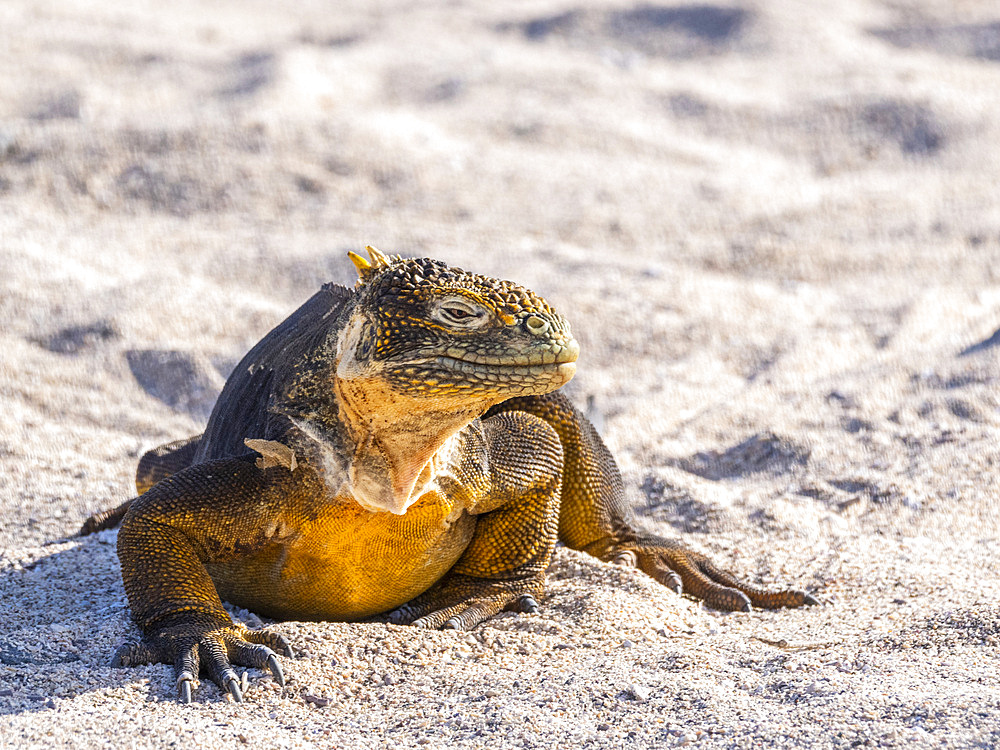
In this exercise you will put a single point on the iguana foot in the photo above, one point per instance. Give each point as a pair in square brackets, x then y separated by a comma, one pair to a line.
[461, 602]
[685, 571]
[213, 651]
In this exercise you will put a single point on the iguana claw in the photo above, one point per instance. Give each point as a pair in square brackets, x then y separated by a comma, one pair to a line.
[184, 682]
[527, 605]
[233, 688]
[272, 664]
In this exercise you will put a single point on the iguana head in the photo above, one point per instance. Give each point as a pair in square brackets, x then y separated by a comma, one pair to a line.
[426, 349]
[430, 330]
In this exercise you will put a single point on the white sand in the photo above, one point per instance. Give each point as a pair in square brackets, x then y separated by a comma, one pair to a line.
[774, 227]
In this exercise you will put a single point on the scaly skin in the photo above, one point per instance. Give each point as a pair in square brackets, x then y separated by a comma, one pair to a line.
[413, 459]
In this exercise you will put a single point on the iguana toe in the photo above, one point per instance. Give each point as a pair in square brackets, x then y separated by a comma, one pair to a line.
[444, 619]
[257, 656]
[730, 600]
[465, 619]
[135, 655]
[787, 598]
[274, 642]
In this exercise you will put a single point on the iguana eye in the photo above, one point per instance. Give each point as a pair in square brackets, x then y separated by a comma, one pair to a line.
[460, 313]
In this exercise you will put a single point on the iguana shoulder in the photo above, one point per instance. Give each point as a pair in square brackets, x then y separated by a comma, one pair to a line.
[254, 402]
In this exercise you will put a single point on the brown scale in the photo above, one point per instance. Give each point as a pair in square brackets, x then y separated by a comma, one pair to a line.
[370, 491]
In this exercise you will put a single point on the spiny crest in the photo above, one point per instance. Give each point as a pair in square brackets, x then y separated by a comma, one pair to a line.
[368, 269]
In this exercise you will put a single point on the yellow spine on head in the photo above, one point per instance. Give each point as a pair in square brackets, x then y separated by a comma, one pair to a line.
[379, 259]
[368, 268]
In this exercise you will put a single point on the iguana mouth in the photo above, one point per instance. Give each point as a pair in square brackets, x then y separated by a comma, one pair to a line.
[519, 368]
[444, 374]
[543, 359]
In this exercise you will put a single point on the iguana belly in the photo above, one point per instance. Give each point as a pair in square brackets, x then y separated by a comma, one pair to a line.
[347, 563]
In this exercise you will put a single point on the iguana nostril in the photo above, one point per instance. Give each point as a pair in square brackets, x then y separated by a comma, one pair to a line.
[536, 325]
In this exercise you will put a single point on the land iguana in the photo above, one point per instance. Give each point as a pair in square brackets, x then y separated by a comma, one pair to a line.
[400, 447]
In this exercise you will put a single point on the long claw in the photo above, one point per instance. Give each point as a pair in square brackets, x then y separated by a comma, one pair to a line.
[286, 647]
[272, 664]
[184, 681]
[810, 599]
[233, 688]
[528, 605]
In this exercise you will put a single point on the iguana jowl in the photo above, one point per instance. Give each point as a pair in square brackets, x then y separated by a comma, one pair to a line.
[396, 448]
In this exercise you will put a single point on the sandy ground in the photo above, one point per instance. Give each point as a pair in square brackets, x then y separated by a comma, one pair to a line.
[775, 228]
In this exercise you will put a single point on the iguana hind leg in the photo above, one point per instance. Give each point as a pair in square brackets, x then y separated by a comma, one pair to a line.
[160, 463]
[595, 517]
[154, 466]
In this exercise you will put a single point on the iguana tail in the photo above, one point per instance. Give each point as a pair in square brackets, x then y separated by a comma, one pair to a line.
[154, 466]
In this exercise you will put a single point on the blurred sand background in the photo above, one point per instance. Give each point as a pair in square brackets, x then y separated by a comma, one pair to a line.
[774, 226]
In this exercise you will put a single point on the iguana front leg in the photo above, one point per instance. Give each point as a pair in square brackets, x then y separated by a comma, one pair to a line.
[210, 512]
[595, 517]
[512, 469]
